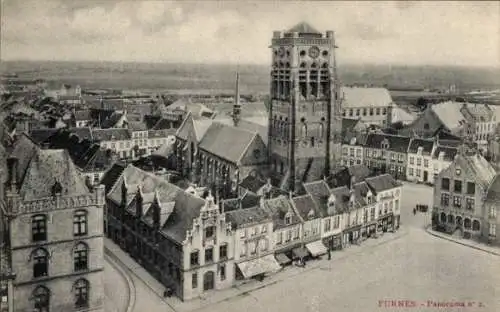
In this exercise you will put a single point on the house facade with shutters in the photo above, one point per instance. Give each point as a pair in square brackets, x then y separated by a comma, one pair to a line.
[464, 196]
[420, 166]
[387, 153]
[55, 232]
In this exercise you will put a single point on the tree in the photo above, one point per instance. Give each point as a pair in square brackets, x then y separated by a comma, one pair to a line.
[422, 103]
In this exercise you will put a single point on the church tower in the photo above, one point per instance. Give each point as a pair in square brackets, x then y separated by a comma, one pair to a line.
[304, 113]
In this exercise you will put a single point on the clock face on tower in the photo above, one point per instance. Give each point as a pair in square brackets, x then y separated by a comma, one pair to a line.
[314, 52]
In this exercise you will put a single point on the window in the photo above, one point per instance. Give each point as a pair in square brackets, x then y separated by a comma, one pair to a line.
[288, 219]
[209, 255]
[194, 258]
[223, 252]
[296, 234]
[469, 203]
[243, 233]
[255, 231]
[445, 184]
[445, 199]
[457, 201]
[457, 186]
[279, 239]
[365, 216]
[264, 229]
[378, 111]
[41, 299]
[209, 232]
[81, 293]
[357, 112]
[253, 247]
[426, 163]
[263, 244]
[475, 225]
[493, 229]
[351, 152]
[358, 152]
[396, 205]
[419, 172]
[471, 188]
[194, 280]
[371, 111]
[493, 211]
[364, 111]
[410, 172]
[80, 253]
[39, 228]
[288, 236]
[372, 213]
[41, 262]
[80, 223]
[419, 161]
[222, 270]
[327, 225]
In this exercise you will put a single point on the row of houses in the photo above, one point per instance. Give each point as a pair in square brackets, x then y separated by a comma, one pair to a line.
[193, 243]
[406, 158]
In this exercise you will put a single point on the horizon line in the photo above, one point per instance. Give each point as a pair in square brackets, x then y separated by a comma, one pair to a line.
[349, 63]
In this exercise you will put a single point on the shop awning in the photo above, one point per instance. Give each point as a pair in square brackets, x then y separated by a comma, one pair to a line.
[259, 266]
[282, 259]
[300, 252]
[316, 248]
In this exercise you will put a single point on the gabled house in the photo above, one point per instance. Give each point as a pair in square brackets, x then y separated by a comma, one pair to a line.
[419, 166]
[460, 193]
[388, 194]
[286, 224]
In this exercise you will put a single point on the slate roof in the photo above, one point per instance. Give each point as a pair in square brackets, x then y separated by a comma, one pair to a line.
[42, 135]
[382, 183]
[246, 201]
[397, 143]
[227, 142]
[493, 193]
[485, 173]
[246, 217]
[137, 126]
[252, 183]
[111, 176]
[341, 195]
[254, 124]
[187, 207]
[349, 124]
[304, 205]
[426, 145]
[84, 133]
[48, 167]
[450, 115]
[278, 207]
[151, 120]
[23, 149]
[449, 152]
[111, 134]
[162, 124]
[319, 192]
[353, 97]
[111, 121]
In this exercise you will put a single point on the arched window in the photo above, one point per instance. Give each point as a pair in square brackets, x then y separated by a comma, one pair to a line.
[467, 223]
[80, 223]
[312, 141]
[459, 220]
[443, 217]
[287, 65]
[39, 228]
[321, 130]
[451, 219]
[475, 225]
[80, 257]
[304, 130]
[41, 299]
[303, 65]
[325, 65]
[41, 262]
[313, 65]
[81, 289]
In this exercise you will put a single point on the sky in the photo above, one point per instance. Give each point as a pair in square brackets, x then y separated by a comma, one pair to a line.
[239, 32]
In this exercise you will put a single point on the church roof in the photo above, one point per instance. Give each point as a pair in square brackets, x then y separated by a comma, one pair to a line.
[303, 28]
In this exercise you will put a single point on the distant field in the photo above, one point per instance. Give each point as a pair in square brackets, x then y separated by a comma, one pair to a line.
[183, 78]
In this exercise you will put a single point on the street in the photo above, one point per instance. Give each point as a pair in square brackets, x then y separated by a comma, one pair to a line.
[416, 266]
[116, 290]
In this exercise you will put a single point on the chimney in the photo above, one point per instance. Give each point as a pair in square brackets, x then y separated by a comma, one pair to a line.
[12, 163]
[237, 106]
[352, 182]
[124, 192]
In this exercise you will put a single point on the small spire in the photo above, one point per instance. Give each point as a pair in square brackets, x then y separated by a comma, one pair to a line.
[237, 105]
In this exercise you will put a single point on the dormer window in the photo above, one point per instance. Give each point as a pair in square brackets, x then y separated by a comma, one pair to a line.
[310, 215]
[369, 199]
[331, 201]
[288, 219]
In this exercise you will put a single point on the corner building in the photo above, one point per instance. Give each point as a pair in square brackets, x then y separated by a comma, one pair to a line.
[304, 115]
[55, 226]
